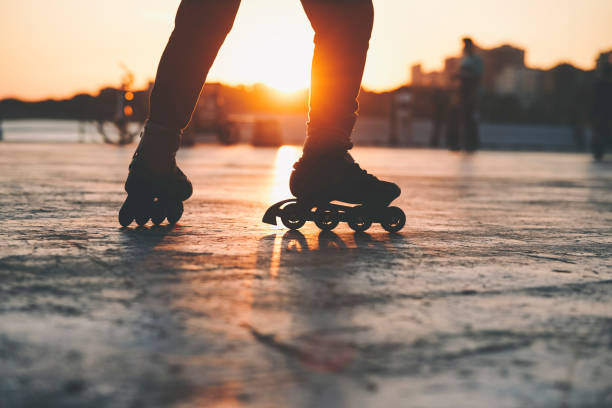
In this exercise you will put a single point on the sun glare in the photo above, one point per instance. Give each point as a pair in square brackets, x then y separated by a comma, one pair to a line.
[284, 65]
[286, 84]
[275, 51]
[281, 63]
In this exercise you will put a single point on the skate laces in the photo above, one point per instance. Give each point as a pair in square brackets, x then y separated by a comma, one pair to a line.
[352, 166]
[357, 168]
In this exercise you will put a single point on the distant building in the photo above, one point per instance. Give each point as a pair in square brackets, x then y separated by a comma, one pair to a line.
[416, 74]
[522, 82]
[515, 93]
[605, 58]
[451, 67]
[427, 79]
[498, 59]
[495, 60]
[564, 79]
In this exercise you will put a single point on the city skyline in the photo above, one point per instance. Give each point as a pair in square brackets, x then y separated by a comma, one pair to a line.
[81, 48]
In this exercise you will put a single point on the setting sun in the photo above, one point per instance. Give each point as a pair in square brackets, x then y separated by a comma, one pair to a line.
[281, 62]
[279, 55]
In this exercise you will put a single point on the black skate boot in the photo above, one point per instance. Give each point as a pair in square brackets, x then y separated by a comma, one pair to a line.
[317, 180]
[325, 178]
[155, 185]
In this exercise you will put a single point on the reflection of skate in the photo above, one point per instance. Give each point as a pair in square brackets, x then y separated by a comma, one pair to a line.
[294, 214]
[294, 241]
[330, 240]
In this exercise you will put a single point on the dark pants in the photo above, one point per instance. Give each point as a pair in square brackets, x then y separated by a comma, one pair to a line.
[602, 136]
[471, 138]
[342, 33]
[452, 128]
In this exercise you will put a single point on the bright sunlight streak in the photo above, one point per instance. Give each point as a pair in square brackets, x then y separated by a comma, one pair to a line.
[283, 165]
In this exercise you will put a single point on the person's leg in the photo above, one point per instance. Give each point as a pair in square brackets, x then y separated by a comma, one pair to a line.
[342, 34]
[156, 187]
[434, 140]
[453, 122]
[452, 129]
[326, 171]
[470, 125]
[598, 138]
[608, 134]
[200, 29]
[471, 129]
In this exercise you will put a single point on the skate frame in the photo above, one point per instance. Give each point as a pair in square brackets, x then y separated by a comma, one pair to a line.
[344, 211]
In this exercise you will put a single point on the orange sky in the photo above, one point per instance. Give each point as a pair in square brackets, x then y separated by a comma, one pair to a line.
[59, 47]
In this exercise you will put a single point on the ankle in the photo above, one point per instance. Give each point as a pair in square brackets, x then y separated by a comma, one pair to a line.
[325, 147]
[159, 139]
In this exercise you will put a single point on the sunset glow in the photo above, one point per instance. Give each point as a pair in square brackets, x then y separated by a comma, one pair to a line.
[280, 61]
[66, 46]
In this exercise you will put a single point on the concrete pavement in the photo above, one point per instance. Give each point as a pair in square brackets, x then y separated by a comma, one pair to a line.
[496, 293]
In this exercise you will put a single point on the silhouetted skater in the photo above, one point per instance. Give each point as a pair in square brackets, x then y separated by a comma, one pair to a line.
[602, 107]
[155, 185]
[440, 103]
[453, 122]
[469, 76]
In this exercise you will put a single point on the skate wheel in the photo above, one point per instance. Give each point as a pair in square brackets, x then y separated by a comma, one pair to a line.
[158, 212]
[126, 215]
[142, 220]
[394, 219]
[183, 188]
[359, 220]
[175, 212]
[142, 209]
[291, 216]
[326, 218]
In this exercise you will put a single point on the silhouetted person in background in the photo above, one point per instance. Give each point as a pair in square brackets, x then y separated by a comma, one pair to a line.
[602, 109]
[440, 110]
[156, 187]
[453, 122]
[469, 76]
[1, 130]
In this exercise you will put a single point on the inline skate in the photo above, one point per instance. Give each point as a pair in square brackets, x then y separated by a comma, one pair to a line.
[316, 183]
[156, 186]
